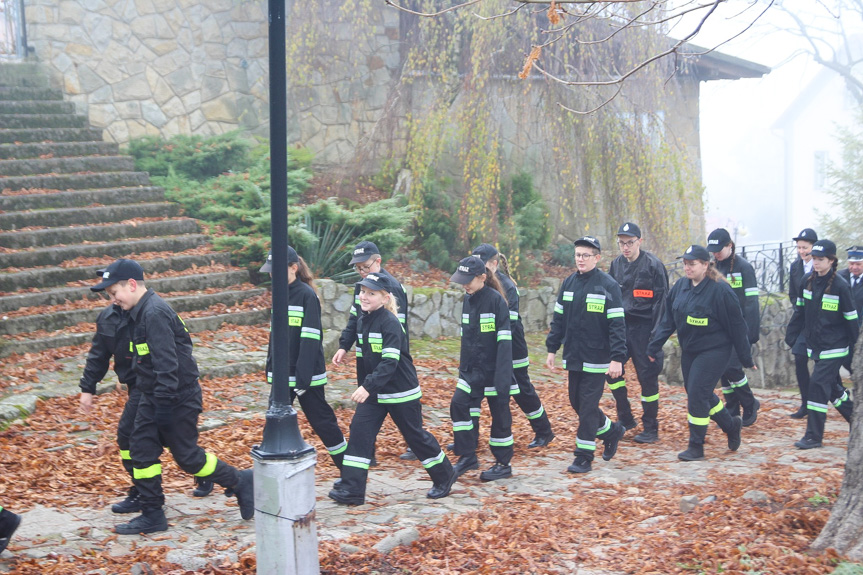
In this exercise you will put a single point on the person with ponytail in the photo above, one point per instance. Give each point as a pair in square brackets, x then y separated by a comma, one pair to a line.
[589, 322]
[522, 389]
[307, 369]
[826, 316]
[389, 387]
[741, 277]
[485, 370]
[704, 311]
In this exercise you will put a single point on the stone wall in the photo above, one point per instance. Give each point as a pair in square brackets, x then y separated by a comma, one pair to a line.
[438, 314]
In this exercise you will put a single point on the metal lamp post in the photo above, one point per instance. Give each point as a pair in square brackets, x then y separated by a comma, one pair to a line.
[286, 538]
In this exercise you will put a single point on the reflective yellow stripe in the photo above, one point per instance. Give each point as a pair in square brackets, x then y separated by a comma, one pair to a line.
[209, 467]
[124, 454]
[142, 348]
[147, 472]
[698, 420]
[717, 408]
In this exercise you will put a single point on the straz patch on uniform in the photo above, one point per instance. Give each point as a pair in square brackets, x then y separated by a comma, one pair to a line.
[376, 341]
[699, 321]
[736, 280]
[595, 303]
[295, 321]
[487, 322]
[830, 302]
[295, 315]
[648, 293]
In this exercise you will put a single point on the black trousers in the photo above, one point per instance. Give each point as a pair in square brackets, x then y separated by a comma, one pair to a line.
[701, 371]
[365, 426]
[735, 386]
[637, 338]
[825, 386]
[585, 391]
[181, 438]
[801, 368]
[323, 420]
[126, 425]
[527, 398]
[465, 406]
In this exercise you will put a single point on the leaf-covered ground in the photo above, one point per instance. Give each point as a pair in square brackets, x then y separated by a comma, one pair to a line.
[58, 458]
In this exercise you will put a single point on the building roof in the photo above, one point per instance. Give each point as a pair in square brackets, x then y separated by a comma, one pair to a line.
[707, 65]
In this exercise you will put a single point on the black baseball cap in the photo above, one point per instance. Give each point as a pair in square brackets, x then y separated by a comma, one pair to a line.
[293, 258]
[468, 268]
[629, 229]
[718, 239]
[485, 252]
[808, 234]
[824, 249]
[695, 252]
[588, 241]
[377, 282]
[364, 251]
[118, 271]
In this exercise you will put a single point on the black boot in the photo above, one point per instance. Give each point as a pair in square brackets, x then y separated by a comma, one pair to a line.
[611, 439]
[800, 413]
[9, 522]
[132, 503]
[465, 463]
[150, 521]
[814, 431]
[695, 452]
[245, 492]
[650, 423]
[731, 425]
[750, 414]
[624, 410]
[203, 487]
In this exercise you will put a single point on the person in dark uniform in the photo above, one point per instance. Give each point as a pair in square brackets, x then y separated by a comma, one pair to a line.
[522, 389]
[826, 315]
[307, 371]
[167, 375]
[367, 259]
[704, 311]
[390, 387]
[112, 339]
[589, 322]
[801, 266]
[741, 276]
[485, 370]
[643, 284]
[853, 274]
[9, 523]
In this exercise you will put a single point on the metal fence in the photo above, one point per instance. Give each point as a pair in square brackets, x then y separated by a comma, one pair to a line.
[13, 36]
[771, 263]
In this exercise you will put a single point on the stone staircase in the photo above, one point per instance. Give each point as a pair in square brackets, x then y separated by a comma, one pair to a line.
[69, 205]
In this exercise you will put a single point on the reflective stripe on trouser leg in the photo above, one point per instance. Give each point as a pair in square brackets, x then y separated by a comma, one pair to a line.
[365, 425]
[322, 418]
[585, 390]
[530, 404]
[464, 426]
[408, 418]
[500, 435]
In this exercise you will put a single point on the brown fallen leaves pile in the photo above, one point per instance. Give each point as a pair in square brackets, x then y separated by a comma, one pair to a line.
[59, 458]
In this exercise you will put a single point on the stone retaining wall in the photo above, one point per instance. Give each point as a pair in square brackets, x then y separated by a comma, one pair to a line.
[437, 314]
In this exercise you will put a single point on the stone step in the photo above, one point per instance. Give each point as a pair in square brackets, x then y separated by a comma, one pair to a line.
[56, 255]
[52, 276]
[75, 181]
[104, 234]
[23, 74]
[86, 215]
[50, 135]
[182, 304]
[78, 198]
[34, 121]
[36, 107]
[45, 166]
[57, 150]
[25, 93]
[195, 325]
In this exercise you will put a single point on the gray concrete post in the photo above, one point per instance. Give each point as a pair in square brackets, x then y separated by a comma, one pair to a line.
[287, 539]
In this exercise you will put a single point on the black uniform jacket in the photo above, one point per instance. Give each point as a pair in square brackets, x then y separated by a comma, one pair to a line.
[827, 321]
[383, 350]
[795, 280]
[856, 293]
[306, 364]
[349, 334]
[643, 285]
[486, 344]
[112, 338]
[163, 349]
[589, 322]
[705, 317]
[741, 277]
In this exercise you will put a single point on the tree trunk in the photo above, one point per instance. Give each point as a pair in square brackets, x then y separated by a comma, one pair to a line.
[844, 530]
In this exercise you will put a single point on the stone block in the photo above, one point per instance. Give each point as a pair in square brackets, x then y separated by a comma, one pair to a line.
[213, 87]
[129, 110]
[215, 50]
[144, 7]
[70, 12]
[118, 132]
[90, 81]
[102, 115]
[221, 109]
[174, 108]
[182, 83]
[153, 113]
[76, 49]
[196, 119]
[71, 85]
